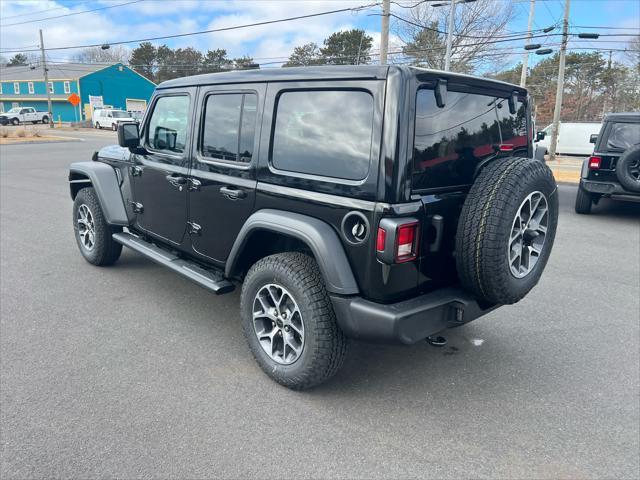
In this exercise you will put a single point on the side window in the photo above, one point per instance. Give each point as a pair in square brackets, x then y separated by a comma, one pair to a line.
[67, 87]
[322, 132]
[167, 130]
[229, 127]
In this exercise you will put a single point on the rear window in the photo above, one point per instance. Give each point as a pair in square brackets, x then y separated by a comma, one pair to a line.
[623, 136]
[450, 141]
[324, 132]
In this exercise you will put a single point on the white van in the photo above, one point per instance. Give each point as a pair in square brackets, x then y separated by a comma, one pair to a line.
[110, 117]
[573, 138]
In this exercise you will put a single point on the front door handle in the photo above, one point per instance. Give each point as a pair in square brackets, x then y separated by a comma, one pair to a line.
[176, 180]
[233, 193]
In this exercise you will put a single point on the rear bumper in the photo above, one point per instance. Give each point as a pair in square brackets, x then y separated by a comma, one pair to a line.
[408, 321]
[606, 188]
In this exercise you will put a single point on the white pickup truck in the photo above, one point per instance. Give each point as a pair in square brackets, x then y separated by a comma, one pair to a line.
[19, 115]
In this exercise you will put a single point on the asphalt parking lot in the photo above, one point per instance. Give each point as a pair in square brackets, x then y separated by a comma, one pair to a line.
[133, 372]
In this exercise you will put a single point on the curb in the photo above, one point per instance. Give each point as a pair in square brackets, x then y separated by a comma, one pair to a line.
[37, 142]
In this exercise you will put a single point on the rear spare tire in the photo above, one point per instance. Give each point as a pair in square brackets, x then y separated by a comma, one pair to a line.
[506, 229]
[628, 169]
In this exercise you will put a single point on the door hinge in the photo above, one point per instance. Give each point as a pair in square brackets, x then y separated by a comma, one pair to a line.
[194, 228]
[135, 171]
[137, 207]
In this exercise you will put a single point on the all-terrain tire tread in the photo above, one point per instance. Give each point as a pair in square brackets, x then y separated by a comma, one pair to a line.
[331, 346]
[481, 238]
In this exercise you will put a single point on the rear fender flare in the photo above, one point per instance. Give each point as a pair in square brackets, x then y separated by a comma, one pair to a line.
[319, 236]
[103, 179]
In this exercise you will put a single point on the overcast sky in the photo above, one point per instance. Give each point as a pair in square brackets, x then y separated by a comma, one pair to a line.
[149, 18]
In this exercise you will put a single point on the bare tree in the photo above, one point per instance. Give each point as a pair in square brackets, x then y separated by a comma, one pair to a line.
[476, 26]
[114, 54]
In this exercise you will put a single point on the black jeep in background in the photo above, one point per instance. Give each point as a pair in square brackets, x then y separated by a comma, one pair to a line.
[614, 168]
[378, 203]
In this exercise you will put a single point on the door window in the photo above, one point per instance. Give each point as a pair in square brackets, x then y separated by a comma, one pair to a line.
[167, 131]
[229, 127]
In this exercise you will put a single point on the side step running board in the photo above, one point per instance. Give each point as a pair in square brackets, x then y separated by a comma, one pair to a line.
[209, 279]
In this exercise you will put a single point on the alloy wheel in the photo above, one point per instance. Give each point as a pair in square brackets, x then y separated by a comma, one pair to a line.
[86, 227]
[528, 233]
[278, 324]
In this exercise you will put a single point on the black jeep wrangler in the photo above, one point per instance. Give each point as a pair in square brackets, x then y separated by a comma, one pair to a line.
[377, 203]
[614, 168]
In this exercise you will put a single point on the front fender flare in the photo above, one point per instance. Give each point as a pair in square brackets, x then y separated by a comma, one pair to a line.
[321, 239]
[105, 182]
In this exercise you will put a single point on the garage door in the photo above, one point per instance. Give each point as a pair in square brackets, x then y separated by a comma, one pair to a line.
[134, 105]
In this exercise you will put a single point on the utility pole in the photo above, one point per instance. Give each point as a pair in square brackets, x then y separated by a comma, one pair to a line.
[447, 60]
[560, 89]
[525, 58]
[46, 80]
[605, 102]
[384, 38]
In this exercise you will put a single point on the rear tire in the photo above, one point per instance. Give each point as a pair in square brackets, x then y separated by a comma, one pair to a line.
[114, 127]
[93, 233]
[97, 125]
[584, 201]
[274, 330]
[506, 229]
[45, 119]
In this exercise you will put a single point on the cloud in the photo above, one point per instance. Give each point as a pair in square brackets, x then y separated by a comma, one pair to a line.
[152, 18]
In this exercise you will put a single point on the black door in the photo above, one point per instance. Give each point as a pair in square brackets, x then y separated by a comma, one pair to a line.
[223, 168]
[160, 176]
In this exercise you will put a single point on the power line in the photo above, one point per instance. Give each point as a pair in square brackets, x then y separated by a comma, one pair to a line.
[35, 13]
[71, 14]
[213, 30]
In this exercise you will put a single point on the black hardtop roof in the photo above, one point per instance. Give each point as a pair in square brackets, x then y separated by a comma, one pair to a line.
[324, 72]
[622, 117]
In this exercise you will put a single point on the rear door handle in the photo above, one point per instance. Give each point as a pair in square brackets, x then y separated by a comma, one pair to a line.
[233, 193]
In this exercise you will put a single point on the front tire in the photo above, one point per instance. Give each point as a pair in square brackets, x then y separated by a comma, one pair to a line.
[15, 121]
[93, 234]
[289, 322]
[97, 126]
[584, 201]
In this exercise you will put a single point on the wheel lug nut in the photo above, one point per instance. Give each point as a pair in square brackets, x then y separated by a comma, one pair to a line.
[286, 329]
[284, 315]
[280, 333]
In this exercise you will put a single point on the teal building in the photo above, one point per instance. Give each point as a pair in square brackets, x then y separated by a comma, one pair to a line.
[114, 85]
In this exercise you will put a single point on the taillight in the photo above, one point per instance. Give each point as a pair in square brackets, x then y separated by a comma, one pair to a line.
[406, 242]
[594, 163]
[381, 239]
[505, 147]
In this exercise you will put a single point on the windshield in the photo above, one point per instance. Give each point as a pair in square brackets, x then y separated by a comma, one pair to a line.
[449, 142]
[623, 136]
[120, 114]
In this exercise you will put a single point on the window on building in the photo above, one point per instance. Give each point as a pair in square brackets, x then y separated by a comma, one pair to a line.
[326, 133]
[168, 125]
[0, 89]
[229, 127]
[31, 90]
[16, 88]
[50, 85]
[67, 87]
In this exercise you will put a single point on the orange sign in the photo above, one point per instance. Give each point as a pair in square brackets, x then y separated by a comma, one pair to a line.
[73, 99]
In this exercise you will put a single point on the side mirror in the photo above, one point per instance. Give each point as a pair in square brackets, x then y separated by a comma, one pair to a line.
[165, 138]
[540, 135]
[128, 135]
[593, 138]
